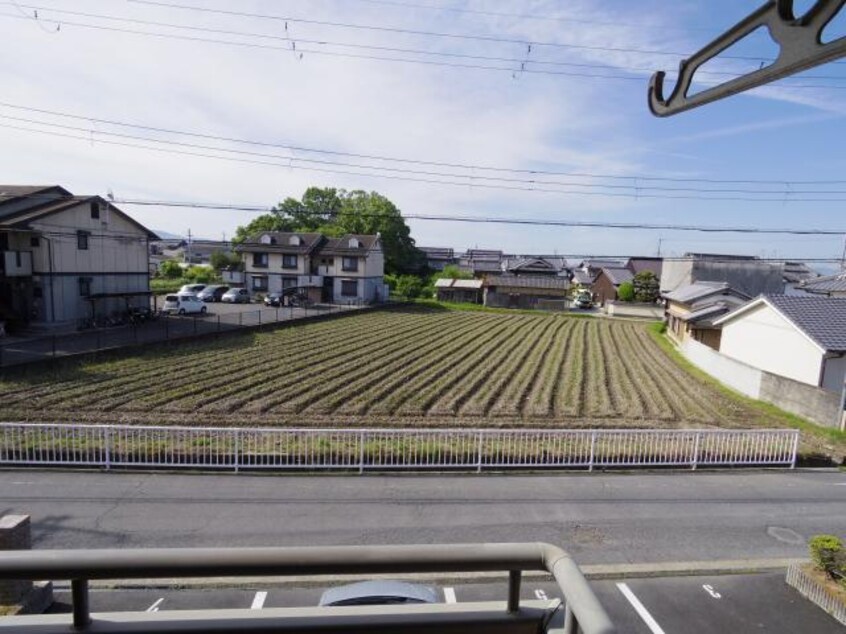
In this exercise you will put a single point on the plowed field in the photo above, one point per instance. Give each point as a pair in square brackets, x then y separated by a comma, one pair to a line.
[391, 368]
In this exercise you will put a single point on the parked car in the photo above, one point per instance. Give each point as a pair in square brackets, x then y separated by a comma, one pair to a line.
[183, 304]
[273, 299]
[584, 299]
[212, 293]
[192, 288]
[379, 593]
[236, 296]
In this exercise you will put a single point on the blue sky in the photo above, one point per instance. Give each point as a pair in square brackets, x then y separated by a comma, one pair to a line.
[503, 118]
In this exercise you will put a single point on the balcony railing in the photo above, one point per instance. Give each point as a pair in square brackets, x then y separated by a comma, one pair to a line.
[580, 610]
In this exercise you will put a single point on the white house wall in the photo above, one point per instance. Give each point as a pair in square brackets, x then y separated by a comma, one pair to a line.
[764, 339]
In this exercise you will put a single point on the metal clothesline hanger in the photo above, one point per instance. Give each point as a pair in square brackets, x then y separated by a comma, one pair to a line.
[800, 48]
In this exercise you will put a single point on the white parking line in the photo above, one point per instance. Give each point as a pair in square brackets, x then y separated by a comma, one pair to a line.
[644, 614]
[540, 594]
[155, 606]
[258, 600]
[449, 595]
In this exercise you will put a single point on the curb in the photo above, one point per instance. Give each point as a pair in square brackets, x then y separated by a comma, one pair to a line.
[594, 572]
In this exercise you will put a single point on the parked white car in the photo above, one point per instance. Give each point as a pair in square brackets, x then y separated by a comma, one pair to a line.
[192, 288]
[184, 304]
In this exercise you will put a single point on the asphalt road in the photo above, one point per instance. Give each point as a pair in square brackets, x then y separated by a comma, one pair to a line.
[599, 518]
[687, 605]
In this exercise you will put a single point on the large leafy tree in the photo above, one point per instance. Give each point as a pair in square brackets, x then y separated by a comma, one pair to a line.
[646, 287]
[335, 212]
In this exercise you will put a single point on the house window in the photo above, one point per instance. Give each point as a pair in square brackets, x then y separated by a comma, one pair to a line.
[349, 264]
[85, 287]
[34, 241]
[82, 240]
[289, 261]
[349, 288]
[259, 283]
[95, 211]
[260, 260]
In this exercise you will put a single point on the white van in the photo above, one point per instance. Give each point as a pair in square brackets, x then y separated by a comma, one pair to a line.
[183, 304]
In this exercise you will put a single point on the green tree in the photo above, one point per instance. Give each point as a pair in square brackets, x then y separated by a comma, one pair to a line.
[408, 286]
[221, 260]
[625, 292]
[200, 274]
[335, 212]
[170, 269]
[646, 287]
[452, 272]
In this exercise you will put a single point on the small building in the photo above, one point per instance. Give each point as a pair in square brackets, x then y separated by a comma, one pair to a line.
[64, 258]
[460, 291]
[481, 262]
[692, 310]
[828, 286]
[607, 283]
[800, 338]
[526, 291]
[640, 264]
[534, 265]
[336, 270]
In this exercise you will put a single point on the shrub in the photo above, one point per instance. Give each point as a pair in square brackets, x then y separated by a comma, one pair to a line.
[625, 293]
[828, 555]
[200, 274]
[170, 269]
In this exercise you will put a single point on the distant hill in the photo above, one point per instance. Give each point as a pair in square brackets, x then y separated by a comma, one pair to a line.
[166, 235]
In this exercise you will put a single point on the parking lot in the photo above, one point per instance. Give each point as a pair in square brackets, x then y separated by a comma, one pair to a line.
[689, 605]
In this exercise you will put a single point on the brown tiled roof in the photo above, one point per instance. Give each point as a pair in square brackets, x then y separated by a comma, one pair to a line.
[282, 242]
[340, 246]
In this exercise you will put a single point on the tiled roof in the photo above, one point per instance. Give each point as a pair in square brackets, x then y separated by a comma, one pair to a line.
[653, 265]
[281, 242]
[699, 290]
[795, 272]
[828, 284]
[617, 275]
[462, 284]
[583, 278]
[528, 281]
[341, 246]
[823, 319]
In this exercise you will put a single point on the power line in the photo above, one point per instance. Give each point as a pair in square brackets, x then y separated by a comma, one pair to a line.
[521, 61]
[468, 182]
[461, 36]
[633, 190]
[804, 231]
[633, 179]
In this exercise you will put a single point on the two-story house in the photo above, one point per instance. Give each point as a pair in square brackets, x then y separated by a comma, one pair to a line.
[330, 270]
[64, 258]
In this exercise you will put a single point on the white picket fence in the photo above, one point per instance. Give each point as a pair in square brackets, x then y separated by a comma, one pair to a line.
[387, 449]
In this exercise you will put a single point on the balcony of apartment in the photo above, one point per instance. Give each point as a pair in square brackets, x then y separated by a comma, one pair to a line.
[16, 263]
[579, 611]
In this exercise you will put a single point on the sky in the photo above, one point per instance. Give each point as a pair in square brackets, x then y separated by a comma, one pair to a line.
[316, 88]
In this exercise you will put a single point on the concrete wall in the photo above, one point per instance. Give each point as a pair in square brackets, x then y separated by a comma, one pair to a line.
[747, 276]
[765, 340]
[815, 404]
[627, 309]
[675, 273]
[834, 375]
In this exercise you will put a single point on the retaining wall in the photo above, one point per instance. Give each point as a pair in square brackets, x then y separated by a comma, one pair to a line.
[641, 311]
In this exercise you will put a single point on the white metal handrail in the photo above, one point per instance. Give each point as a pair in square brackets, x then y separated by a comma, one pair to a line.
[374, 449]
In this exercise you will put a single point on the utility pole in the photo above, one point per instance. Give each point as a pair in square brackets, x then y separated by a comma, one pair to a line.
[188, 248]
[843, 256]
[660, 240]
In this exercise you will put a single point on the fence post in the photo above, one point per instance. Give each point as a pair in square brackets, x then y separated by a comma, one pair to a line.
[240, 319]
[277, 314]
[259, 316]
[361, 452]
[107, 442]
[218, 323]
[53, 343]
[195, 324]
[795, 449]
[167, 327]
[695, 451]
[480, 449]
[592, 450]
[236, 457]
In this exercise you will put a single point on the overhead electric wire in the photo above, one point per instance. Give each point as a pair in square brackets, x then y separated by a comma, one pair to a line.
[602, 224]
[524, 63]
[637, 193]
[461, 36]
[634, 179]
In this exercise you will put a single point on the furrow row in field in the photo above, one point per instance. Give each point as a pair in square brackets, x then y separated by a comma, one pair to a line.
[385, 390]
[600, 400]
[654, 399]
[692, 405]
[350, 389]
[570, 394]
[455, 373]
[541, 399]
[143, 371]
[501, 372]
[268, 371]
[624, 391]
[151, 391]
[513, 399]
[410, 393]
[364, 364]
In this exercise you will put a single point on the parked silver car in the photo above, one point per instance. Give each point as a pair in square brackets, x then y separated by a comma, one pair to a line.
[236, 296]
[379, 593]
[212, 293]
